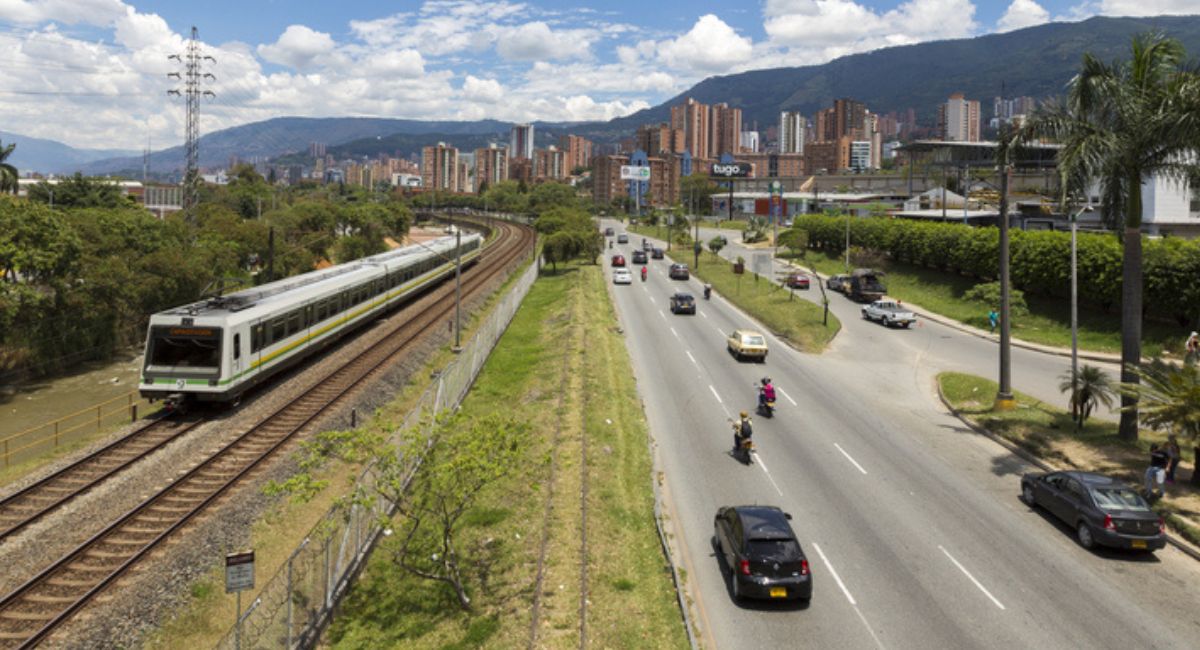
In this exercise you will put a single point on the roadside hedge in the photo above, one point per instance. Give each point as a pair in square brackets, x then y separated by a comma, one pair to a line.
[1041, 260]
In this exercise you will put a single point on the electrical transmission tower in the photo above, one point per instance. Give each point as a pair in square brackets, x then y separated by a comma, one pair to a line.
[193, 76]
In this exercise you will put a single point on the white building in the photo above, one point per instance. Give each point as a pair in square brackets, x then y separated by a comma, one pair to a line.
[791, 132]
[522, 142]
[406, 180]
[958, 119]
[749, 141]
[860, 155]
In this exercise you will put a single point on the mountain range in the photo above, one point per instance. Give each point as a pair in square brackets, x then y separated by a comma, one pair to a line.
[1036, 61]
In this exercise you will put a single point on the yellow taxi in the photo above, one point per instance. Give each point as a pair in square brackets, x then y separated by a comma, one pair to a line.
[747, 344]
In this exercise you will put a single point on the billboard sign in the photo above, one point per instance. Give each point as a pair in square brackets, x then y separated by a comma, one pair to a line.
[731, 170]
[634, 173]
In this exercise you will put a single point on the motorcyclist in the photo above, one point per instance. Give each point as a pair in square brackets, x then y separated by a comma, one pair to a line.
[766, 393]
[610, 243]
[742, 430]
[643, 274]
[707, 291]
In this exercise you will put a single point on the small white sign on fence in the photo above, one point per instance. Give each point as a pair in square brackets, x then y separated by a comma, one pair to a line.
[239, 572]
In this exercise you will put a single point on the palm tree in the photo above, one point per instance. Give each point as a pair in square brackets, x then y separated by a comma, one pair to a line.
[1120, 124]
[1169, 395]
[8, 173]
[1089, 387]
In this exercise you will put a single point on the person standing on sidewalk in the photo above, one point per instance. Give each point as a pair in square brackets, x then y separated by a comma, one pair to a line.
[1156, 470]
[1191, 348]
[1173, 457]
[993, 320]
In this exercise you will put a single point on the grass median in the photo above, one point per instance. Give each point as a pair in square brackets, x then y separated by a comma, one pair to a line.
[1048, 321]
[1049, 433]
[562, 368]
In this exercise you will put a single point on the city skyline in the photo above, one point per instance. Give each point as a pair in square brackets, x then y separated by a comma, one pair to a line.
[438, 59]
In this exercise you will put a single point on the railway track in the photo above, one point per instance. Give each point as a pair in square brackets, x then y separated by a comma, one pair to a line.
[32, 611]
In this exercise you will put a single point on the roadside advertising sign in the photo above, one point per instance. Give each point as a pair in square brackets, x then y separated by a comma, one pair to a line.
[731, 170]
[634, 173]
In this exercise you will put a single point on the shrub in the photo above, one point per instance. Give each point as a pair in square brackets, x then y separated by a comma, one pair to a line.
[987, 294]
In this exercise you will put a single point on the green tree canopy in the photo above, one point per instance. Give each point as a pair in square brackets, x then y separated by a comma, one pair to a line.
[80, 192]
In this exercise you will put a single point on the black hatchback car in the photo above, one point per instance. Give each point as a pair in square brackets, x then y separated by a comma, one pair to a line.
[764, 558]
[1102, 510]
[656, 253]
[639, 257]
[683, 303]
[678, 272]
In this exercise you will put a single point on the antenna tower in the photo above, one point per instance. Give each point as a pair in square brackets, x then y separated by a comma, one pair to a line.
[192, 77]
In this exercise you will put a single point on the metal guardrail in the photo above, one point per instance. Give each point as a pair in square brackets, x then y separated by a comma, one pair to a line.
[49, 435]
[296, 604]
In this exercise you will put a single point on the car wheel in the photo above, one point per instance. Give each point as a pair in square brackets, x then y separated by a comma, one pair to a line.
[733, 584]
[865, 315]
[1084, 534]
[1027, 496]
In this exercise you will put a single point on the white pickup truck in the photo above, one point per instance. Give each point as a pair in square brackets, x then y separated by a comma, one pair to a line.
[889, 312]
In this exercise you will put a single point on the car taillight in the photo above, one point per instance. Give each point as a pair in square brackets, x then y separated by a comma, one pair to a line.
[744, 565]
[803, 567]
[1108, 523]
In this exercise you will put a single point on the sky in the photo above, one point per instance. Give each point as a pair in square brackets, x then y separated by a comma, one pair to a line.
[94, 73]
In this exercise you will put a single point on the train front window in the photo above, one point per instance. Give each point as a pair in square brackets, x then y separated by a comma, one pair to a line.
[186, 347]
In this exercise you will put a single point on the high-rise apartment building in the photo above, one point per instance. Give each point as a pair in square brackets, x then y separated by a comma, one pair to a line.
[491, 165]
[578, 151]
[791, 132]
[522, 142]
[749, 141]
[550, 164]
[316, 149]
[958, 119]
[439, 167]
[849, 118]
[725, 130]
[658, 138]
[692, 118]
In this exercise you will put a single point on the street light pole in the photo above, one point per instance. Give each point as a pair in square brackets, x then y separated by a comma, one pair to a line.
[1075, 296]
[1004, 396]
[847, 241]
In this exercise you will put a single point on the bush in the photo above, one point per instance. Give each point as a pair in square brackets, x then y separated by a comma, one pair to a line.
[987, 294]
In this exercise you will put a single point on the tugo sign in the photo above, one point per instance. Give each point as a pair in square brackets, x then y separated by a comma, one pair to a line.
[731, 170]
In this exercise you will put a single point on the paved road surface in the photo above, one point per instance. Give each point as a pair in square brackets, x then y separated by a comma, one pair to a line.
[911, 523]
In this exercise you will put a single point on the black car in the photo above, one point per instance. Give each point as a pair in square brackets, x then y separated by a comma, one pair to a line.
[622, 238]
[683, 303]
[656, 253]
[678, 272]
[608, 232]
[762, 554]
[1102, 510]
[639, 257]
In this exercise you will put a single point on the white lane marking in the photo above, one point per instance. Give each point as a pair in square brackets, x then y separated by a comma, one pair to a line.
[662, 315]
[768, 473]
[835, 575]
[719, 331]
[789, 397]
[850, 598]
[692, 358]
[675, 333]
[839, 448]
[968, 574]
[704, 314]
[652, 300]
[714, 392]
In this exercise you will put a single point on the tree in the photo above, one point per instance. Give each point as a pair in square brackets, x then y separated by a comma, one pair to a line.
[80, 192]
[697, 190]
[795, 240]
[8, 173]
[1168, 397]
[716, 244]
[559, 247]
[1089, 387]
[1119, 125]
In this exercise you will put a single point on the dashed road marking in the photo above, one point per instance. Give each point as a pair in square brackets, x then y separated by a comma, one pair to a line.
[848, 457]
[789, 398]
[972, 578]
[715, 393]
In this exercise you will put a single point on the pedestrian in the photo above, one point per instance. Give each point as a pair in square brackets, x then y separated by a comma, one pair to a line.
[1156, 471]
[1173, 457]
[1192, 348]
[993, 320]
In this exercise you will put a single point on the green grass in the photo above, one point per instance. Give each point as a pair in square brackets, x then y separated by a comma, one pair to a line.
[789, 317]
[1049, 433]
[1048, 321]
[632, 598]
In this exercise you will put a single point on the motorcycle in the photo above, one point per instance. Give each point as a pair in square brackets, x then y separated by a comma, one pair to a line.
[743, 452]
[643, 275]
[766, 407]
[707, 291]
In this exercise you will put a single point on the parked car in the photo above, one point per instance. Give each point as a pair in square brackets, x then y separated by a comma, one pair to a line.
[622, 276]
[889, 313]
[678, 272]
[618, 260]
[761, 551]
[1102, 510]
[622, 238]
[656, 253]
[608, 232]
[683, 303]
[797, 281]
[837, 283]
[639, 257]
[747, 344]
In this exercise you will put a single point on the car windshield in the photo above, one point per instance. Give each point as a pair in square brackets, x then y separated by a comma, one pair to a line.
[1121, 498]
[753, 339]
[773, 548]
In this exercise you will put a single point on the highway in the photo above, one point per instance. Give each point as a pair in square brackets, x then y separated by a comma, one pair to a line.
[911, 523]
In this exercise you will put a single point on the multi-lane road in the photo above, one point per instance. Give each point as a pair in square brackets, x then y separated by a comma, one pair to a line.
[911, 522]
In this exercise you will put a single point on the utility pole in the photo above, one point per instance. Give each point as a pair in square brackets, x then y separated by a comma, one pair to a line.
[1004, 397]
[457, 289]
[192, 78]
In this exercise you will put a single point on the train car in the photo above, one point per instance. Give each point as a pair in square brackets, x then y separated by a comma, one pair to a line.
[217, 349]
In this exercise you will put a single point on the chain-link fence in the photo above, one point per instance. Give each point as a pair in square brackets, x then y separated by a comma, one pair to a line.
[297, 602]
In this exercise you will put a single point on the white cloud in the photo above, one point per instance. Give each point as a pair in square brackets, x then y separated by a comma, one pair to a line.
[297, 47]
[1148, 7]
[1022, 13]
[406, 63]
[710, 46]
[71, 12]
[537, 42]
[815, 31]
[137, 31]
[488, 91]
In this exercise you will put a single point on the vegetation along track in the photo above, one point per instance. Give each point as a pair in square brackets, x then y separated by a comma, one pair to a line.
[33, 610]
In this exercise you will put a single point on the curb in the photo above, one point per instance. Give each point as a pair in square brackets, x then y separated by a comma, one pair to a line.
[1183, 545]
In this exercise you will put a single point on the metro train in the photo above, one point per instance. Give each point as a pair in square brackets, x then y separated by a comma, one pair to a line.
[217, 349]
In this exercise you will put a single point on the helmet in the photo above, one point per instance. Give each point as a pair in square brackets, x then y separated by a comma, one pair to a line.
[743, 414]
[766, 380]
